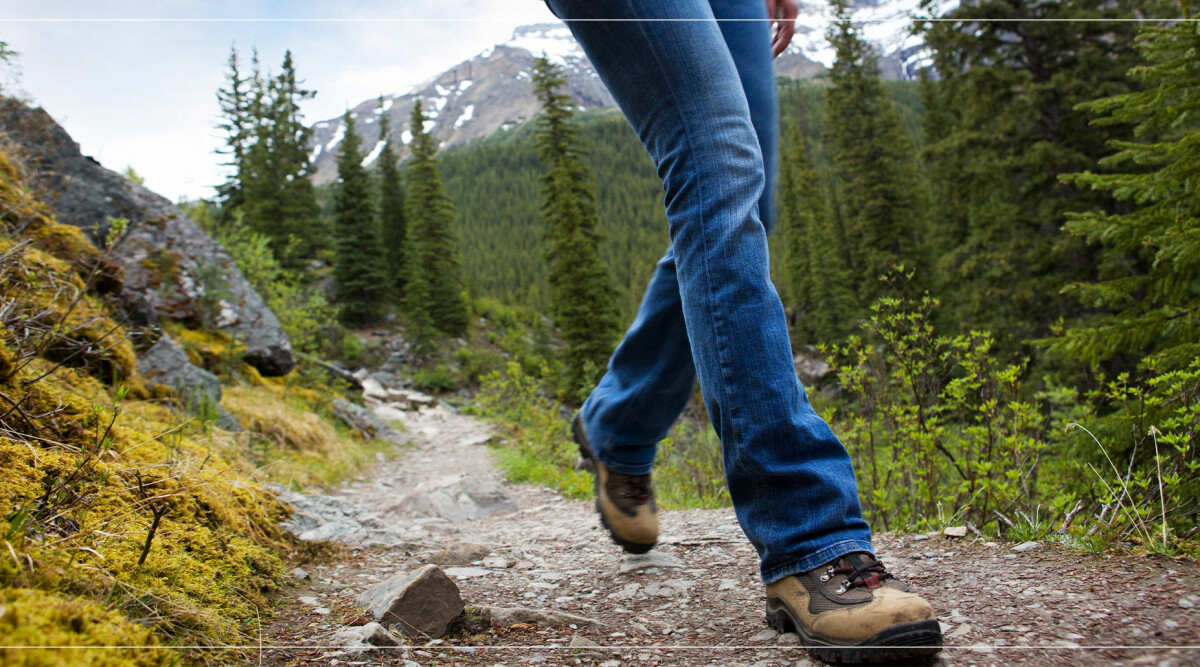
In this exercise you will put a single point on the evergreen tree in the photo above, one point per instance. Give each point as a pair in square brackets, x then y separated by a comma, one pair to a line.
[392, 220]
[358, 270]
[1011, 74]
[582, 294]
[278, 200]
[1155, 308]
[238, 125]
[877, 183]
[434, 297]
[818, 285]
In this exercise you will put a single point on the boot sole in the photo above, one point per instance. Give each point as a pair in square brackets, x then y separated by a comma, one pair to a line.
[588, 462]
[906, 642]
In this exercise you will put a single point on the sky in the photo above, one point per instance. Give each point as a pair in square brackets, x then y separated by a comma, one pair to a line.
[134, 81]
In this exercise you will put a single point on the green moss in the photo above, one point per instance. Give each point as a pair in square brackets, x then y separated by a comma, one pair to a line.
[34, 618]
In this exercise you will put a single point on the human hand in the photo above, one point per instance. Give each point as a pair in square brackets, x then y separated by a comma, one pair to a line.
[782, 15]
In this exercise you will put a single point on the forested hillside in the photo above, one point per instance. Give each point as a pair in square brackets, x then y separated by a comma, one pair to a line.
[494, 184]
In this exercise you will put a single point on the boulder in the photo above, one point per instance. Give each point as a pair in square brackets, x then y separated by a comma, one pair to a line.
[167, 363]
[423, 602]
[458, 498]
[169, 263]
[365, 422]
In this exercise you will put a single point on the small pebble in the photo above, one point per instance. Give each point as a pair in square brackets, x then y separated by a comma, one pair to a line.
[764, 635]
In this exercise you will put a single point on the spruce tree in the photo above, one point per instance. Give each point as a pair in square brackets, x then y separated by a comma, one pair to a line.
[821, 291]
[878, 187]
[582, 294]
[1011, 74]
[238, 125]
[392, 220]
[358, 272]
[434, 297]
[278, 199]
[1155, 302]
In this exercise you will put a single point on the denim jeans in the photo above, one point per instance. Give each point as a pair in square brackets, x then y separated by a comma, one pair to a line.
[700, 93]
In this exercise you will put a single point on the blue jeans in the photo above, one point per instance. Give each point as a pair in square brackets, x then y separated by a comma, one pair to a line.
[701, 97]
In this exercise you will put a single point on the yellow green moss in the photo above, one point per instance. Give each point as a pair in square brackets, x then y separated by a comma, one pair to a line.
[291, 443]
[32, 618]
[84, 475]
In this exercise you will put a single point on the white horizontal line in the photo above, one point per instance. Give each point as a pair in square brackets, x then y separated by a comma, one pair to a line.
[633, 647]
[509, 20]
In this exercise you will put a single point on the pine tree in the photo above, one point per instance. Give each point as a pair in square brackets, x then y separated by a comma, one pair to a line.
[392, 220]
[238, 125]
[278, 199]
[582, 294]
[434, 297]
[819, 287]
[877, 184]
[1010, 76]
[1155, 309]
[359, 274]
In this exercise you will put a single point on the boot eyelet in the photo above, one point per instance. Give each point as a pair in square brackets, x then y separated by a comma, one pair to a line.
[825, 577]
[841, 589]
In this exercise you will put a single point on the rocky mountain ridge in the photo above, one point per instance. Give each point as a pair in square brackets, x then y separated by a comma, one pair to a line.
[493, 91]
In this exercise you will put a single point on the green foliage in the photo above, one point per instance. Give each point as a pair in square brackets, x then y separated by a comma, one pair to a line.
[877, 187]
[1005, 124]
[266, 141]
[303, 312]
[1152, 300]
[393, 222]
[937, 424]
[359, 271]
[434, 298]
[581, 291]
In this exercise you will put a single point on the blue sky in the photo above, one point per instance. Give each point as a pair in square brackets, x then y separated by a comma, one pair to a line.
[134, 81]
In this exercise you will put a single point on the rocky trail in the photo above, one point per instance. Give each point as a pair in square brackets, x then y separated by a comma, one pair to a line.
[543, 585]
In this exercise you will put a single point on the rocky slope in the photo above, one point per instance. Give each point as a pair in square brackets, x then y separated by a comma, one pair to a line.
[165, 261]
[542, 584]
[493, 91]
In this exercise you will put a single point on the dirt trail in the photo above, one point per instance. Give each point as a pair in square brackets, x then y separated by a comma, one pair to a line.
[1042, 606]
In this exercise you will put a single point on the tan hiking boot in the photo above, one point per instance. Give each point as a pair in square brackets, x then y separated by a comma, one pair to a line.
[625, 502]
[854, 611]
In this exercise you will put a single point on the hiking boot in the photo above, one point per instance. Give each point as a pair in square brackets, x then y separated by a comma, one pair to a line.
[625, 503]
[854, 611]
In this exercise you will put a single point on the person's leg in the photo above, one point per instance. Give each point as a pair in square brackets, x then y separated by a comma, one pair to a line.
[790, 479]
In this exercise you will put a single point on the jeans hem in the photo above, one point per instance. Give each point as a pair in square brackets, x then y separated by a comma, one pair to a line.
[829, 553]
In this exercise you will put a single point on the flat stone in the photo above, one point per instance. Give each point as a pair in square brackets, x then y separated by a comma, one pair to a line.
[955, 531]
[920, 537]
[365, 422]
[457, 554]
[1170, 625]
[727, 585]
[788, 639]
[1189, 601]
[627, 592]
[505, 616]
[763, 636]
[457, 498]
[1026, 546]
[475, 440]
[495, 562]
[308, 600]
[467, 572]
[652, 558]
[420, 603]
[300, 574]
[960, 630]
[366, 638]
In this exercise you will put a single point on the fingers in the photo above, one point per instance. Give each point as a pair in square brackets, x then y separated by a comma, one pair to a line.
[783, 15]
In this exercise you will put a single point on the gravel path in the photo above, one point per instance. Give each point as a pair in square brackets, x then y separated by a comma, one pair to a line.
[702, 603]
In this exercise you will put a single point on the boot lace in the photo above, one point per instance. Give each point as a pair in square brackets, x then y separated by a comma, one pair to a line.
[871, 575]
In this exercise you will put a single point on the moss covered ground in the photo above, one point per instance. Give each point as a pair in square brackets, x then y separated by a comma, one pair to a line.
[131, 532]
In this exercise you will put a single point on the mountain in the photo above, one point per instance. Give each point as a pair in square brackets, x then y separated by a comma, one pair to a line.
[493, 91]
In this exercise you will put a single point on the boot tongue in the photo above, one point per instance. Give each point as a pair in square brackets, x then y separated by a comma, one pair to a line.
[860, 560]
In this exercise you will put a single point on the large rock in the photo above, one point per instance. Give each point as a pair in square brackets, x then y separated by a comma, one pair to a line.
[423, 602]
[458, 498]
[167, 363]
[365, 422]
[169, 262]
